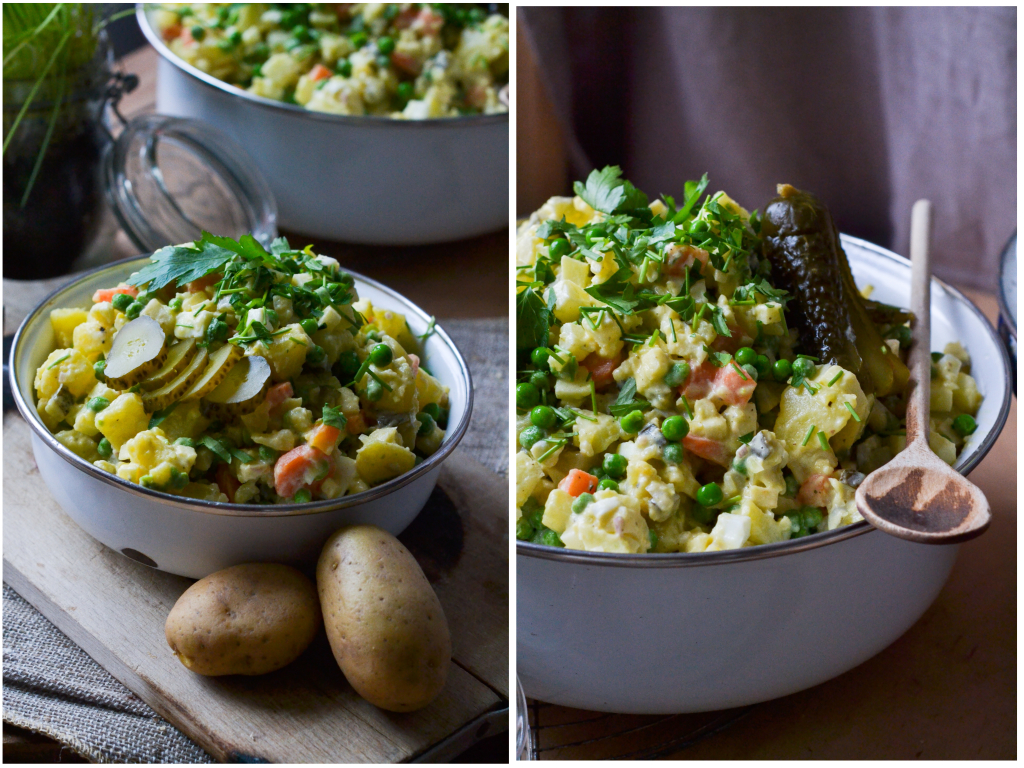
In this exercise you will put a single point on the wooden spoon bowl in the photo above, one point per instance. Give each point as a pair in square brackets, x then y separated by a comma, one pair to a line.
[917, 496]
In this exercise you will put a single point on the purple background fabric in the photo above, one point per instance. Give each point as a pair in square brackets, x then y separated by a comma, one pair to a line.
[870, 108]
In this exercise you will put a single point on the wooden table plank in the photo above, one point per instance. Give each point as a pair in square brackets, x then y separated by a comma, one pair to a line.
[114, 608]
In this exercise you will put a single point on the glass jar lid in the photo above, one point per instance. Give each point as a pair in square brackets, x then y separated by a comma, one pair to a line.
[170, 178]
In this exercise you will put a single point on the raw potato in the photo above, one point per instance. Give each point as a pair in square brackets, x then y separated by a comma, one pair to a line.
[383, 619]
[245, 620]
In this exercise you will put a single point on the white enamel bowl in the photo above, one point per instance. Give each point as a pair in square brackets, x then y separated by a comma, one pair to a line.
[195, 538]
[353, 179]
[698, 632]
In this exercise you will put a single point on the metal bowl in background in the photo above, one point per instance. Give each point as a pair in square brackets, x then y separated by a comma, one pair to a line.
[1008, 302]
[194, 538]
[371, 180]
[674, 633]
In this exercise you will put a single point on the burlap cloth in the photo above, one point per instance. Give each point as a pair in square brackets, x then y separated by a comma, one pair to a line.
[51, 686]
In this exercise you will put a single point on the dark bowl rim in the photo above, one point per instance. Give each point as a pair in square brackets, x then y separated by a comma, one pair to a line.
[230, 509]
[363, 121]
[792, 546]
[1009, 314]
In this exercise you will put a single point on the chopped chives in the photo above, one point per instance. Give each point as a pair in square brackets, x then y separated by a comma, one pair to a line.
[809, 357]
[852, 412]
[836, 378]
[58, 361]
[740, 371]
[686, 406]
[807, 437]
[823, 440]
[593, 397]
[378, 378]
[585, 418]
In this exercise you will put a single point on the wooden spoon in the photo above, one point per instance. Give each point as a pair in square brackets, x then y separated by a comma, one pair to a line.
[917, 496]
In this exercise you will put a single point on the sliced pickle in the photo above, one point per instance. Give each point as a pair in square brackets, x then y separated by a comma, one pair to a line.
[138, 350]
[178, 356]
[242, 390]
[221, 362]
[172, 391]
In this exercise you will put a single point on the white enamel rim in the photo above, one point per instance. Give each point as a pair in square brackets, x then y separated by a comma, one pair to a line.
[453, 435]
[369, 121]
[764, 551]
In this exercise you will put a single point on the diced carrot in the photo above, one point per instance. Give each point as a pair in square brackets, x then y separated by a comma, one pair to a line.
[415, 361]
[405, 18]
[203, 282]
[577, 482]
[107, 294]
[429, 21]
[228, 483]
[814, 491]
[679, 258]
[172, 32]
[476, 96]
[186, 36]
[601, 369]
[408, 64]
[301, 467]
[319, 72]
[712, 450]
[355, 425]
[325, 438]
[725, 384]
[278, 393]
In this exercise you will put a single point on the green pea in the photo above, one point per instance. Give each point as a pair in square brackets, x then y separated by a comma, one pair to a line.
[374, 391]
[373, 335]
[523, 529]
[581, 502]
[316, 355]
[121, 301]
[147, 481]
[186, 441]
[434, 410]
[310, 325]
[812, 517]
[559, 248]
[704, 515]
[381, 355]
[709, 495]
[97, 404]
[902, 334]
[595, 233]
[763, 366]
[615, 465]
[301, 33]
[99, 369]
[677, 374]
[105, 449]
[175, 304]
[792, 486]
[539, 358]
[653, 537]
[385, 45]
[347, 366]
[543, 416]
[607, 484]
[541, 381]
[302, 496]
[796, 528]
[552, 539]
[672, 453]
[782, 370]
[751, 371]
[134, 309]
[198, 33]
[675, 428]
[529, 436]
[632, 422]
[936, 356]
[178, 479]
[745, 356]
[426, 423]
[527, 395]
[964, 424]
[803, 367]
[343, 68]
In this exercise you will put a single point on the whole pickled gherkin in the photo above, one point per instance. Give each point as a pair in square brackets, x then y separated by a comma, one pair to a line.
[802, 243]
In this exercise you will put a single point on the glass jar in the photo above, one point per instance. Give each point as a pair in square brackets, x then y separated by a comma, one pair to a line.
[47, 229]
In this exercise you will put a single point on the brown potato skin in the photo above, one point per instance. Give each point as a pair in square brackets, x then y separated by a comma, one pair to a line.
[384, 622]
[245, 620]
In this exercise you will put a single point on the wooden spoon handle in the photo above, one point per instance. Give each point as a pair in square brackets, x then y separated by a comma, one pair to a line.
[920, 357]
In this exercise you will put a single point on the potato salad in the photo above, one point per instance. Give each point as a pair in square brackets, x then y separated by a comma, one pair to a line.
[226, 372]
[694, 377]
[402, 60]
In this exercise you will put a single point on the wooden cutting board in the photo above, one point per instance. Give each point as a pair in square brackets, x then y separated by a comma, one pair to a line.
[114, 608]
